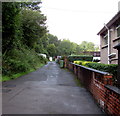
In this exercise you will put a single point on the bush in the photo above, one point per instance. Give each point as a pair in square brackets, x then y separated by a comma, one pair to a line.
[82, 62]
[21, 60]
[80, 57]
[110, 68]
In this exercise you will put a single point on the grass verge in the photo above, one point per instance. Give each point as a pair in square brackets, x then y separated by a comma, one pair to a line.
[78, 82]
[14, 76]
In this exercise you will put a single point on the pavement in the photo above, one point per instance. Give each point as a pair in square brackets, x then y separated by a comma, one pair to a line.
[48, 90]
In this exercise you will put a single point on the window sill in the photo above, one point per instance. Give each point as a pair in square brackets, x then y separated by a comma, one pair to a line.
[105, 46]
[113, 59]
[117, 38]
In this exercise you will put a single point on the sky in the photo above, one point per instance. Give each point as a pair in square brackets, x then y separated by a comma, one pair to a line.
[78, 20]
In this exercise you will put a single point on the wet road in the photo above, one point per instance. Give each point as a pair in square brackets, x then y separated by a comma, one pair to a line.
[49, 90]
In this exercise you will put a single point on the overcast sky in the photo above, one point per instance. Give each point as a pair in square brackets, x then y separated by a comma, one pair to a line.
[78, 20]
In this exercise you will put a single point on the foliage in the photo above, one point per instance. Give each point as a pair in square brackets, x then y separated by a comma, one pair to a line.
[23, 27]
[66, 47]
[51, 49]
[72, 58]
[31, 5]
[62, 47]
[14, 76]
[110, 68]
[33, 25]
[88, 46]
[22, 60]
[53, 39]
[82, 62]
[25, 35]
[11, 32]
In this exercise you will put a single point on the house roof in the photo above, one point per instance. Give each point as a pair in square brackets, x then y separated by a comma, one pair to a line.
[110, 23]
[117, 46]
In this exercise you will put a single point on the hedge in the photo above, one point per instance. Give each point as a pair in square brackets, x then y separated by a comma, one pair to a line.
[82, 62]
[110, 68]
[80, 57]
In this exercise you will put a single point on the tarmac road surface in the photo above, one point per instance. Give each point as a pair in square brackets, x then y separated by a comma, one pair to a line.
[48, 90]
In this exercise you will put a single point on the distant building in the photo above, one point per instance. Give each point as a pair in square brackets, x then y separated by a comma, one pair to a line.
[110, 37]
[93, 53]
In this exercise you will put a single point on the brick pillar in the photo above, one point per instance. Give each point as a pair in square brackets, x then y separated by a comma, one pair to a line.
[75, 69]
[107, 80]
[65, 62]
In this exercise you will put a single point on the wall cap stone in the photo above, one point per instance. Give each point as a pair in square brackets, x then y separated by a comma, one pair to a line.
[94, 70]
[113, 88]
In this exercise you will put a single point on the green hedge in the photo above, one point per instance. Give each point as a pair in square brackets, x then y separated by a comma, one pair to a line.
[80, 57]
[110, 68]
[82, 62]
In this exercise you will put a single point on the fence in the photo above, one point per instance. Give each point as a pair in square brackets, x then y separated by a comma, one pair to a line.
[100, 85]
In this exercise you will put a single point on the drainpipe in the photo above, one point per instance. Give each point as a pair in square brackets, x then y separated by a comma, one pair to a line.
[108, 42]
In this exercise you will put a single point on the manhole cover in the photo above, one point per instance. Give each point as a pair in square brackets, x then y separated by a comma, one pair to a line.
[9, 86]
[6, 90]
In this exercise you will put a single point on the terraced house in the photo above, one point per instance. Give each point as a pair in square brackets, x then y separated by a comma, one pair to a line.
[109, 38]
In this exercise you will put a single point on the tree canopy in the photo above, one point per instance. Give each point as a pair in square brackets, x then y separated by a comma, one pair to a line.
[25, 35]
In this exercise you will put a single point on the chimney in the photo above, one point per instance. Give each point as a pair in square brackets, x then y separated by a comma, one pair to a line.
[118, 6]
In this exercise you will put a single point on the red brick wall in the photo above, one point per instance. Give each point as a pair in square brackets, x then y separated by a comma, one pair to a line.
[107, 98]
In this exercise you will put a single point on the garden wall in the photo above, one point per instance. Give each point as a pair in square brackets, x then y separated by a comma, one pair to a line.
[100, 85]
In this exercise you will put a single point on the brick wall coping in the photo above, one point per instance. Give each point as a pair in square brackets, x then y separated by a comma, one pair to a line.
[94, 70]
[113, 88]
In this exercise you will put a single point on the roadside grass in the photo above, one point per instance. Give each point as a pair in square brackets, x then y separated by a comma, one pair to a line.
[14, 76]
[77, 81]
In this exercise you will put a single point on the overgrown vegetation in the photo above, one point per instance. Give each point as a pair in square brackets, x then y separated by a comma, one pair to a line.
[23, 26]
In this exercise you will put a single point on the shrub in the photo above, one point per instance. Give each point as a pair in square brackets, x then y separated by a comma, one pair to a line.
[82, 62]
[80, 57]
[21, 60]
[110, 68]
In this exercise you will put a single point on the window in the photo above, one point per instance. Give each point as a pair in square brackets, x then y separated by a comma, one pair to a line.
[118, 30]
[105, 39]
[95, 54]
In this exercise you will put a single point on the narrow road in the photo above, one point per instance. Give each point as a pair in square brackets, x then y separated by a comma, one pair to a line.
[49, 90]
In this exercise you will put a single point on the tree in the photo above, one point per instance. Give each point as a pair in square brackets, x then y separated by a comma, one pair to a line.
[11, 22]
[97, 48]
[65, 47]
[33, 24]
[23, 30]
[41, 45]
[78, 50]
[87, 46]
[51, 49]
[31, 5]
[53, 39]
